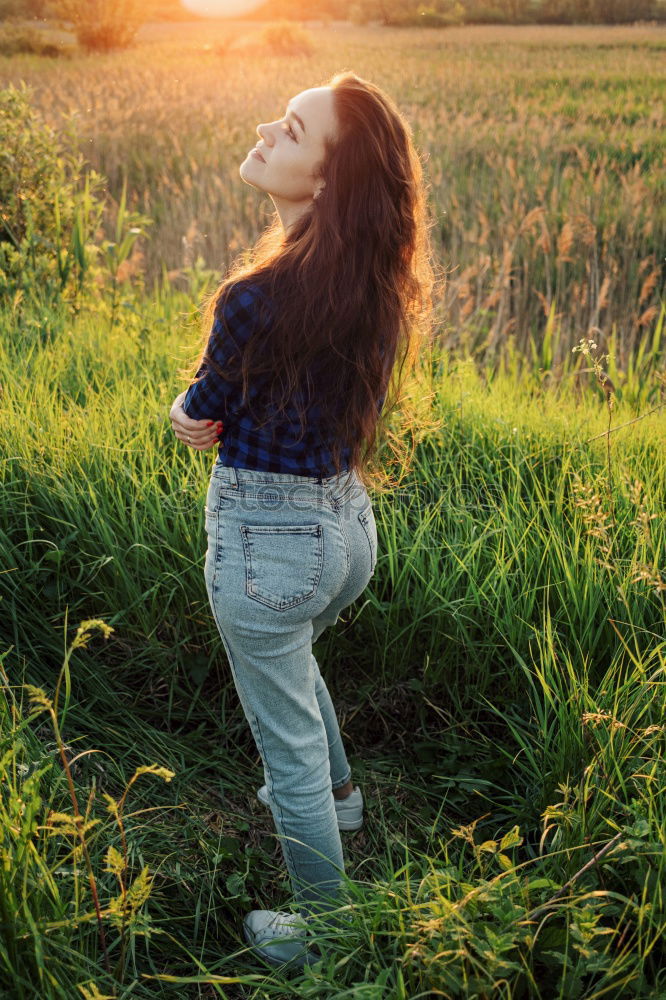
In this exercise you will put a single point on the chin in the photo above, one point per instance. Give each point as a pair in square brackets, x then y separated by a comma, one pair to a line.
[251, 183]
[246, 164]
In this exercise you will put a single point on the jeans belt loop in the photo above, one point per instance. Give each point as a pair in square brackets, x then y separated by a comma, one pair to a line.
[233, 478]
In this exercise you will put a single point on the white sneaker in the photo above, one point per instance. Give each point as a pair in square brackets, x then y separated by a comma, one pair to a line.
[279, 937]
[349, 811]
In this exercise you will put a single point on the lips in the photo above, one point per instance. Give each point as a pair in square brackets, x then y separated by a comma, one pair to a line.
[258, 154]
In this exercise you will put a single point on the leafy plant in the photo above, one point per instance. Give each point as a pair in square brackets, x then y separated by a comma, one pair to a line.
[31, 846]
[46, 219]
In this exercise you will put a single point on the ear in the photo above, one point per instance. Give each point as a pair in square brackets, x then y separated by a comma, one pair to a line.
[319, 188]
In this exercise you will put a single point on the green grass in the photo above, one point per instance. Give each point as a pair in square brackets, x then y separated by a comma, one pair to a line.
[500, 683]
[502, 678]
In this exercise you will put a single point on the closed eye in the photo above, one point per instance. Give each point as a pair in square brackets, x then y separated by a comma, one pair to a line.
[290, 132]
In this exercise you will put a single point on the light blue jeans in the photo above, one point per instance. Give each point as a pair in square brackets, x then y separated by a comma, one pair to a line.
[286, 554]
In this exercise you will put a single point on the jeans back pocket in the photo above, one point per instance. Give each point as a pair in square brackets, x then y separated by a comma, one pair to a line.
[283, 563]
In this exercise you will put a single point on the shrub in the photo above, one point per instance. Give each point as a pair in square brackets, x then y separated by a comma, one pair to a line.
[9, 8]
[431, 18]
[443, 16]
[15, 39]
[45, 219]
[51, 235]
[100, 25]
[287, 39]
[23, 8]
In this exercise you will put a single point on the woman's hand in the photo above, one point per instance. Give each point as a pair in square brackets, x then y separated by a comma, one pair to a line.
[199, 434]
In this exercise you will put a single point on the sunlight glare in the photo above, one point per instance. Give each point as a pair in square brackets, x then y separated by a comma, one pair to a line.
[220, 8]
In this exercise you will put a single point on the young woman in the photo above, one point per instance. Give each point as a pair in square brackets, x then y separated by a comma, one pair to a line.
[300, 345]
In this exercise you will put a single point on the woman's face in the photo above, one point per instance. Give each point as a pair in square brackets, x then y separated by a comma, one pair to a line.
[292, 148]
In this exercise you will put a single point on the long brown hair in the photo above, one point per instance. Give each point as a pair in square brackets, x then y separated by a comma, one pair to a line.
[352, 278]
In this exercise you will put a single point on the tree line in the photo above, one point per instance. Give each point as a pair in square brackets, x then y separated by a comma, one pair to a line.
[433, 13]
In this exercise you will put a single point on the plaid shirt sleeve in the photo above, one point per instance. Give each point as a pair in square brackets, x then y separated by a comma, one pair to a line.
[212, 397]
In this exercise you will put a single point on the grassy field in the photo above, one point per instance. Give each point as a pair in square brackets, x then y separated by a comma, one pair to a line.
[543, 149]
[500, 684]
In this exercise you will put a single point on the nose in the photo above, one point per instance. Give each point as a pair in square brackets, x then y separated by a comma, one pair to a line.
[264, 132]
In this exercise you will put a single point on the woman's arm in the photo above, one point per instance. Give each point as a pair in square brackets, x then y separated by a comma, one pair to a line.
[212, 397]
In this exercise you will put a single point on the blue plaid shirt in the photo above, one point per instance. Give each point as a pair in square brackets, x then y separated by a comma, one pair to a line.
[242, 445]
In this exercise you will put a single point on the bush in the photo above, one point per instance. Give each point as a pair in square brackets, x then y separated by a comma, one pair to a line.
[597, 11]
[100, 25]
[9, 8]
[23, 8]
[43, 212]
[15, 39]
[487, 13]
[51, 235]
[287, 39]
[431, 18]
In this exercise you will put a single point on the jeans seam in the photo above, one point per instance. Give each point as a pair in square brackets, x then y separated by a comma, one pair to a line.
[363, 518]
[255, 720]
[254, 724]
[283, 836]
[336, 508]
